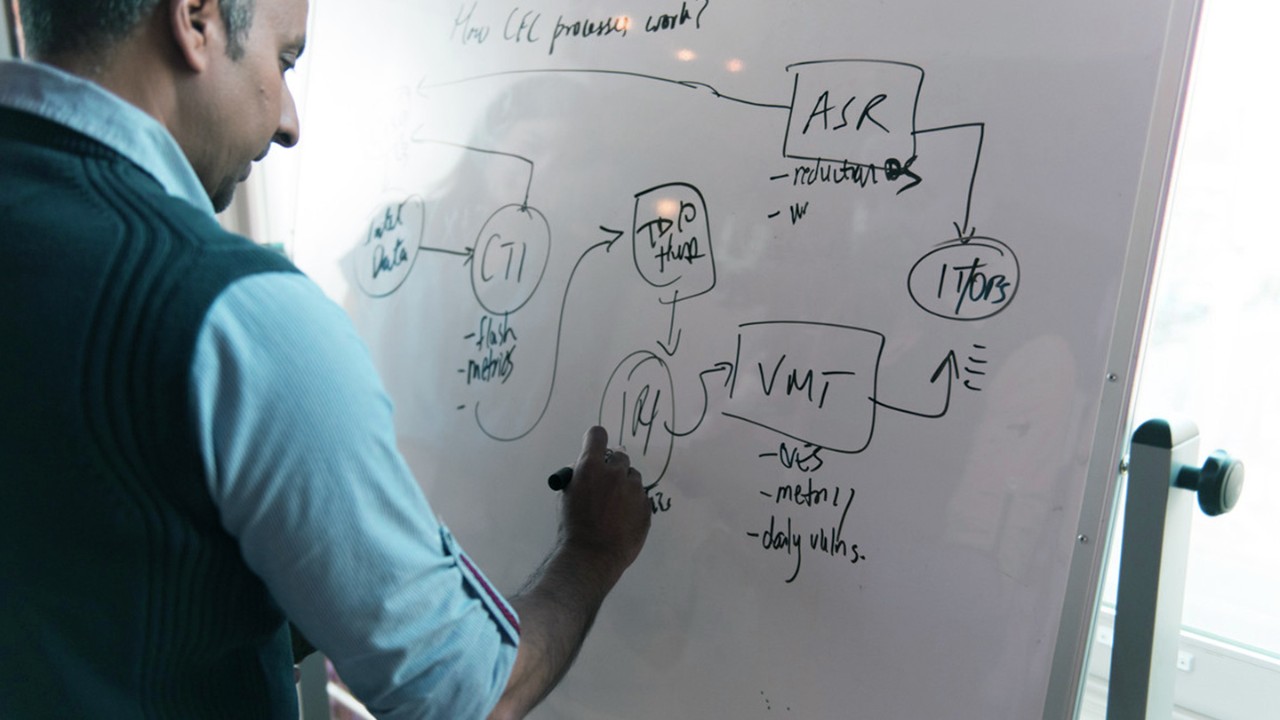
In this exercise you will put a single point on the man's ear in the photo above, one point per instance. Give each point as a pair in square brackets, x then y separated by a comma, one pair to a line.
[197, 31]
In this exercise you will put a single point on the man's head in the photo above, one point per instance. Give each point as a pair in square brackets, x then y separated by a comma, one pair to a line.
[53, 28]
[211, 71]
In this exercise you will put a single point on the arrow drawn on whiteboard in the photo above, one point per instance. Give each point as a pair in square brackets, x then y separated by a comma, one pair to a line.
[951, 368]
[555, 362]
[468, 253]
[723, 367]
[524, 204]
[425, 87]
[671, 351]
[964, 231]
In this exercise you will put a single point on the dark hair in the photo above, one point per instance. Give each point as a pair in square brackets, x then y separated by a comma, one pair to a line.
[64, 27]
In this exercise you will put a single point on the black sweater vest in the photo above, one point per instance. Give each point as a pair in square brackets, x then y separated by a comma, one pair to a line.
[121, 596]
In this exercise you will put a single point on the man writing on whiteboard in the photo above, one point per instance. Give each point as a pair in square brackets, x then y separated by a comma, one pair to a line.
[195, 446]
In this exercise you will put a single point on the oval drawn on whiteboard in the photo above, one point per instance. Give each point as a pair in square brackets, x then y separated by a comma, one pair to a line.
[390, 247]
[637, 409]
[510, 259]
[965, 280]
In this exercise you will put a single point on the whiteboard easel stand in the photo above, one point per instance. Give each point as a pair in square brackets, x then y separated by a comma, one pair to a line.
[1153, 561]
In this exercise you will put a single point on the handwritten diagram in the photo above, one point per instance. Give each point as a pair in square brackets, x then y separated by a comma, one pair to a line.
[849, 127]
[858, 285]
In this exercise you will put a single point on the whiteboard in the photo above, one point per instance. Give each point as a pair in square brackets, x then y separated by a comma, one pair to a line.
[858, 285]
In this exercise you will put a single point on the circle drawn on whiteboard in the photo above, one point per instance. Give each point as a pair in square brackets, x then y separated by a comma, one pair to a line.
[510, 258]
[637, 408]
[390, 247]
[965, 280]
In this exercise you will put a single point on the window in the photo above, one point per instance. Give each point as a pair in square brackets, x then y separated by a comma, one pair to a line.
[1211, 343]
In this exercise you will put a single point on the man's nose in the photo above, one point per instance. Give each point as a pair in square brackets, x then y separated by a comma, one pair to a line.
[290, 128]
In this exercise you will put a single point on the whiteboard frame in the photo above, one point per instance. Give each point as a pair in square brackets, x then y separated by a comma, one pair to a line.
[1116, 389]
[1110, 442]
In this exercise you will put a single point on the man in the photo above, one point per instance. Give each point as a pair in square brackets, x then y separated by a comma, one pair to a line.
[194, 447]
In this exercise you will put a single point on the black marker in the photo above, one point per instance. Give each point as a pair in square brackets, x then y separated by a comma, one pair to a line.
[560, 479]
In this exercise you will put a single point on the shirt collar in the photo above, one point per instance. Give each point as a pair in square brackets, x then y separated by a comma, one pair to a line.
[91, 110]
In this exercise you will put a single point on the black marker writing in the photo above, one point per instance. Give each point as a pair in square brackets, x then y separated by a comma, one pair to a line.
[659, 503]
[777, 539]
[493, 366]
[972, 285]
[834, 544]
[803, 496]
[496, 342]
[465, 30]
[521, 30]
[493, 334]
[663, 241]
[830, 172]
[671, 21]
[589, 28]
[386, 262]
[823, 109]
[798, 211]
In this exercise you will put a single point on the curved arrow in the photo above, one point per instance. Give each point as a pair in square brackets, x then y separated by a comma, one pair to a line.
[528, 188]
[555, 363]
[951, 366]
[706, 399]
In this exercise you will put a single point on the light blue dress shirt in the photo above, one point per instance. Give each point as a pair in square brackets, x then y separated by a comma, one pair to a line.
[300, 457]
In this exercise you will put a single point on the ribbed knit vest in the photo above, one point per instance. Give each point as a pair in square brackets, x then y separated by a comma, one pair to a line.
[121, 596]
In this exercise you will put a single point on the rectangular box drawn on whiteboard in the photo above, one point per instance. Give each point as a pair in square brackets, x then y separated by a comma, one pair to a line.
[812, 382]
[862, 112]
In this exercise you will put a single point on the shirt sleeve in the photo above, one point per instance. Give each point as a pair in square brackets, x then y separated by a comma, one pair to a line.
[300, 456]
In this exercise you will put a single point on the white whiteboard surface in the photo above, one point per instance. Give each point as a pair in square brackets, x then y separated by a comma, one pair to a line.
[847, 279]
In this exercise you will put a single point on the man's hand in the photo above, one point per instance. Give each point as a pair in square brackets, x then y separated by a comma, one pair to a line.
[605, 509]
[604, 522]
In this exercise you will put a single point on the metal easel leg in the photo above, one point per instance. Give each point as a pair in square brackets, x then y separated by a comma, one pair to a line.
[1153, 561]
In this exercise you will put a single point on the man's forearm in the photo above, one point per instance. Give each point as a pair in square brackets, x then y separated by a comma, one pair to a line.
[556, 608]
[605, 520]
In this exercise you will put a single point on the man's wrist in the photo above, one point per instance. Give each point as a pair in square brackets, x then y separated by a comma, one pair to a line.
[601, 563]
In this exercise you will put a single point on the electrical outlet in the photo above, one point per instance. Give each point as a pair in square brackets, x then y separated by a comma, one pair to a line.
[1104, 635]
[1186, 661]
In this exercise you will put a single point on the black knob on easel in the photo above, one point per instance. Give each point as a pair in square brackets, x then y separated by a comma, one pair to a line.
[1217, 484]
